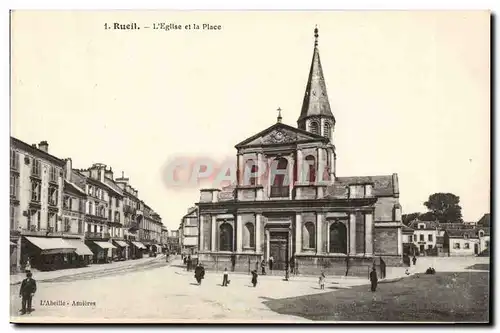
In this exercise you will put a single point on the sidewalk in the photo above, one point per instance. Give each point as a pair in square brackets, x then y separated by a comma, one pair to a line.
[42, 276]
[344, 280]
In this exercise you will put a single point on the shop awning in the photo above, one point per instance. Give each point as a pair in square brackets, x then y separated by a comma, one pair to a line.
[139, 245]
[81, 248]
[105, 245]
[121, 243]
[51, 245]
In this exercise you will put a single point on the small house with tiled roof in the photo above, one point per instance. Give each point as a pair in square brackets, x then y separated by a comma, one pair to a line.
[289, 204]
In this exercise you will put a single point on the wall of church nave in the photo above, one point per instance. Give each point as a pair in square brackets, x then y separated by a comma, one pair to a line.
[244, 263]
[385, 241]
[384, 208]
[334, 266]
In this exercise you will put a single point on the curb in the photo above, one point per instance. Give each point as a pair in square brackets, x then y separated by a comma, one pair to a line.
[70, 275]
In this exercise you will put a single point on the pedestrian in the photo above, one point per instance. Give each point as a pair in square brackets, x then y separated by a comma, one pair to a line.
[27, 267]
[27, 291]
[287, 273]
[321, 280]
[254, 278]
[292, 265]
[199, 273]
[271, 262]
[263, 267]
[373, 279]
[414, 260]
[233, 262]
[225, 279]
[189, 262]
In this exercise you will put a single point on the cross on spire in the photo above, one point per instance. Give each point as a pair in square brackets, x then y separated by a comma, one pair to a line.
[279, 114]
[316, 35]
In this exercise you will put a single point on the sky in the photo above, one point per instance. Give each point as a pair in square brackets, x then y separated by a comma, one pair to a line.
[410, 92]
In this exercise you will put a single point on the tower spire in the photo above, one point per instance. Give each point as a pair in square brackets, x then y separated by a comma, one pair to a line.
[279, 114]
[315, 103]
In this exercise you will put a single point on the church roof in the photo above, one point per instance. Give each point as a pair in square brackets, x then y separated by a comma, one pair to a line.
[315, 97]
[287, 134]
[382, 186]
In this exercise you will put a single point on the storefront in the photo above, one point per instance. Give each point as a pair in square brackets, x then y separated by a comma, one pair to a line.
[122, 249]
[82, 255]
[102, 251]
[138, 249]
[46, 253]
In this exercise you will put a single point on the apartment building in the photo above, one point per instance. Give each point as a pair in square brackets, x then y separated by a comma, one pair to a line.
[38, 224]
[132, 217]
[188, 232]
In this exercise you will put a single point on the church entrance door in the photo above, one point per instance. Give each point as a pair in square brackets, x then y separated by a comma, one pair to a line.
[278, 249]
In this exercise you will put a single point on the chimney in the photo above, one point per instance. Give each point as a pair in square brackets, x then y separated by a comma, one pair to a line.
[68, 167]
[395, 185]
[43, 145]
[109, 173]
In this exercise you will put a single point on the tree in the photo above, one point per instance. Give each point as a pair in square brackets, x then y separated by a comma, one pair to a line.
[407, 218]
[427, 216]
[445, 207]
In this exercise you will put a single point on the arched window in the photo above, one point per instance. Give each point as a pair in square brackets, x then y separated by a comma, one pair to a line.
[226, 237]
[338, 238]
[309, 239]
[280, 187]
[314, 127]
[327, 130]
[251, 170]
[248, 236]
[311, 168]
[481, 233]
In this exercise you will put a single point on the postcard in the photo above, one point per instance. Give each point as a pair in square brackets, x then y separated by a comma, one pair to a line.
[250, 166]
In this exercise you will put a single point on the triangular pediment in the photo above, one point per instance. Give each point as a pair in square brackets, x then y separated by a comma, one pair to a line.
[280, 134]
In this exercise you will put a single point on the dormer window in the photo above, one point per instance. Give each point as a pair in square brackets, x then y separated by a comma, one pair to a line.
[481, 233]
[368, 190]
[421, 226]
[466, 236]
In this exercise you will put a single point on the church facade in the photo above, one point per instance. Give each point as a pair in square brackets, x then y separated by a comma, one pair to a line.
[289, 203]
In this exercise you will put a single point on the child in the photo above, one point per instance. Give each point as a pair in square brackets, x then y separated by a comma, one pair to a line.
[254, 278]
[322, 281]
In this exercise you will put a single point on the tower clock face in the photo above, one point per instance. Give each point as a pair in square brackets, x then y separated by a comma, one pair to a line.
[279, 135]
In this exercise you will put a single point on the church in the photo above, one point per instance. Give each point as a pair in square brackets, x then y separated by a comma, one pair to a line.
[288, 202]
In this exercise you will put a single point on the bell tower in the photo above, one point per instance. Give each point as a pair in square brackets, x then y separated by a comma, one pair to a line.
[316, 116]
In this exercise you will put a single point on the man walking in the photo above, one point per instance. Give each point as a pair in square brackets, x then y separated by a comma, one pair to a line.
[373, 279]
[225, 279]
[271, 262]
[27, 291]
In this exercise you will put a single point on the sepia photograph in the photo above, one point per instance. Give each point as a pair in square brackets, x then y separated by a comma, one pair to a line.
[258, 167]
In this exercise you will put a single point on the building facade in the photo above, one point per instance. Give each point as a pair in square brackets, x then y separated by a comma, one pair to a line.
[173, 242]
[150, 229]
[133, 216]
[189, 231]
[39, 223]
[288, 202]
[425, 234]
[99, 220]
